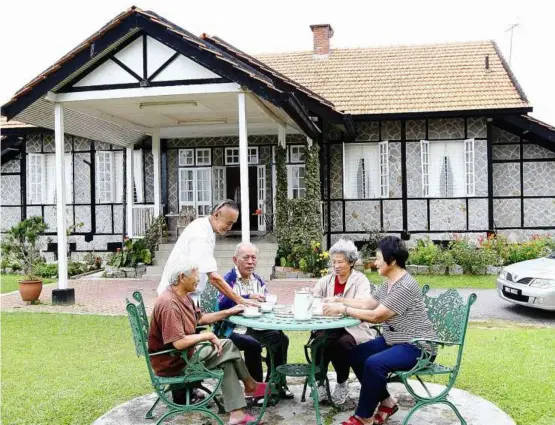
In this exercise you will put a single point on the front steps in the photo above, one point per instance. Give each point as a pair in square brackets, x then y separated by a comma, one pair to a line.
[225, 248]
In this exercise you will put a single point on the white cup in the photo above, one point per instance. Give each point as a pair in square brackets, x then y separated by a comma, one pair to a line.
[251, 311]
[266, 307]
[271, 298]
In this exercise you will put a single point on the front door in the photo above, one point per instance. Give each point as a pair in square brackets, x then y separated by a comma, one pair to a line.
[233, 183]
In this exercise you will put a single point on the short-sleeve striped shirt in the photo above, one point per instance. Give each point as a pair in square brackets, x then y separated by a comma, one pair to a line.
[411, 319]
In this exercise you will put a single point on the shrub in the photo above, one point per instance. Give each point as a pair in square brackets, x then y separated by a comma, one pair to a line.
[133, 253]
[76, 267]
[315, 261]
[156, 230]
[370, 245]
[426, 253]
[46, 270]
[92, 261]
[505, 252]
[472, 259]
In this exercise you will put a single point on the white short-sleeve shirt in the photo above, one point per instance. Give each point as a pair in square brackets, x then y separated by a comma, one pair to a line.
[196, 243]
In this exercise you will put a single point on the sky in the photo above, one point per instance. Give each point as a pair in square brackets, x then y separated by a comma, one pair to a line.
[35, 34]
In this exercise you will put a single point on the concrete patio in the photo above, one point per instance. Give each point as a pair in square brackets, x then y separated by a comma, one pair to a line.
[474, 409]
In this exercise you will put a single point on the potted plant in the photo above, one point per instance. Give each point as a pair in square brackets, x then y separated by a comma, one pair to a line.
[20, 244]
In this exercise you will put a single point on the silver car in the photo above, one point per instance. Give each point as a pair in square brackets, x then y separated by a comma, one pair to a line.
[530, 283]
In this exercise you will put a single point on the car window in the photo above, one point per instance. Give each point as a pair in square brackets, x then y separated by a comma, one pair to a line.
[552, 255]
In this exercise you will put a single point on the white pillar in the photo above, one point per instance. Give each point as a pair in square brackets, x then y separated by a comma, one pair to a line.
[157, 174]
[244, 169]
[281, 136]
[130, 194]
[60, 195]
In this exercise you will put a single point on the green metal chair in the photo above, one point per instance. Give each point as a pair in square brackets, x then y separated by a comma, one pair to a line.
[192, 377]
[449, 314]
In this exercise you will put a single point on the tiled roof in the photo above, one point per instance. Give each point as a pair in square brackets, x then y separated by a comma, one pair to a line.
[401, 79]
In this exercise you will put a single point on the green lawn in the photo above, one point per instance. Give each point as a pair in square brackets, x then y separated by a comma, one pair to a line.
[9, 282]
[70, 369]
[457, 281]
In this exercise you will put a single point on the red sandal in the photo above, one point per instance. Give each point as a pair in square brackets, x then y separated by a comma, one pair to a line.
[353, 421]
[389, 411]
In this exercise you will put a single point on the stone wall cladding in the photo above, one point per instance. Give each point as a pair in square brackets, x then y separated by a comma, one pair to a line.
[539, 212]
[173, 185]
[393, 215]
[336, 171]
[506, 179]
[533, 151]
[33, 143]
[82, 178]
[417, 214]
[506, 212]
[390, 130]
[13, 166]
[83, 215]
[395, 171]
[336, 216]
[481, 167]
[539, 178]
[10, 217]
[416, 130]
[447, 214]
[104, 219]
[446, 128]
[414, 170]
[521, 235]
[362, 216]
[502, 136]
[477, 128]
[118, 219]
[477, 214]
[10, 193]
[149, 176]
[504, 152]
[368, 131]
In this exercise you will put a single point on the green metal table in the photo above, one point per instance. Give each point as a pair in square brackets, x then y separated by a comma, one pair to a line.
[284, 322]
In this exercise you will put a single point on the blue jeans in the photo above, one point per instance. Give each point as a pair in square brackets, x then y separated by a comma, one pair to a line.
[372, 362]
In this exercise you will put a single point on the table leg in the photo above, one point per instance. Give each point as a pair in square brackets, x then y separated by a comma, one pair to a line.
[272, 389]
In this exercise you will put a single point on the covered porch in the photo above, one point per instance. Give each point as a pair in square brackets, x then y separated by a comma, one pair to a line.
[141, 80]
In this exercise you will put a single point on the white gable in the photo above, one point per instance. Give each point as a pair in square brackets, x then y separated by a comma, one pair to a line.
[132, 56]
[107, 73]
[183, 68]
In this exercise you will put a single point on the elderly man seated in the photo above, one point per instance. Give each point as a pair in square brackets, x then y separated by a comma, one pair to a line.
[247, 284]
[347, 283]
[174, 320]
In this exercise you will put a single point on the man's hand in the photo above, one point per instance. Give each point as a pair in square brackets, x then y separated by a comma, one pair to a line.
[216, 343]
[249, 303]
[333, 309]
[257, 297]
[236, 310]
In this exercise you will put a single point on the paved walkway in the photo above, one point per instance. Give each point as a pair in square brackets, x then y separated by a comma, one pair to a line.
[474, 409]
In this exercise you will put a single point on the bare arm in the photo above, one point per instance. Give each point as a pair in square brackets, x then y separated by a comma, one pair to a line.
[209, 318]
[191, 340]
[221, 285]
[377, 315]
[367, 303]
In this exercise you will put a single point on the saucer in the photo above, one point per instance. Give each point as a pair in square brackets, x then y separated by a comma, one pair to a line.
[249, 316]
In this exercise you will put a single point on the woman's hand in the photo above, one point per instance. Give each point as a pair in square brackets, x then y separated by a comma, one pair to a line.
[333, 309]
[337, 300]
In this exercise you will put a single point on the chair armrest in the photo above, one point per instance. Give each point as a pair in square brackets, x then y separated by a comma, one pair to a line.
[174, 351]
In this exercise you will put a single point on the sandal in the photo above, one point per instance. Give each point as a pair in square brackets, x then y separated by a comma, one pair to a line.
[260, 391]
[389, 411]
[353, 421]
[244, 420]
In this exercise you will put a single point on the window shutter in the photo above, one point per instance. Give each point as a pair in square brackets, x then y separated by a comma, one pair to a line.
[383, 149]
[469, 171]
[425, 164]
[117, 178]
[138, 176]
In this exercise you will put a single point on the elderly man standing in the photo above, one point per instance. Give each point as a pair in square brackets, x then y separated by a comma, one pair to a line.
[248, 285]
[173, 324]
[197, 243]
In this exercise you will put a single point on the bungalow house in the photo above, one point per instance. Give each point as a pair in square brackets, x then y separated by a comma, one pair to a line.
[144, 118]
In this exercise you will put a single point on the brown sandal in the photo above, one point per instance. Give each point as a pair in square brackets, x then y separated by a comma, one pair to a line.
[389, 411]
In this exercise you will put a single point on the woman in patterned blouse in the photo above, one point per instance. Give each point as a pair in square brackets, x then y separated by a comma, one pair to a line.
[399, 305]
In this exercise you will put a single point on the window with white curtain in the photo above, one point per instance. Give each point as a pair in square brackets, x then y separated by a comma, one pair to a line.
[447, 168]
[295, 181]
[109, 176]
[41, 175]
[366, 170]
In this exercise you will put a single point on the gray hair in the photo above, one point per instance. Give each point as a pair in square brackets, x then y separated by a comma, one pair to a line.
[187, 267]
[242, 245]
[347, 248]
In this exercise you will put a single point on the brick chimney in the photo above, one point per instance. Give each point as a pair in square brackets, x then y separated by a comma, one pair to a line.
[322, 34]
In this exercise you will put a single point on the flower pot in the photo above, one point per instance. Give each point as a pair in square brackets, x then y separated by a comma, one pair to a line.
[30, 289]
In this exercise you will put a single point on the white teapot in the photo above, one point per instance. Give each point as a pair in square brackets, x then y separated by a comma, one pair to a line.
[302, 305]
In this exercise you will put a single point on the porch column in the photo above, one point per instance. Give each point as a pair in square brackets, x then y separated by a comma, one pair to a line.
[130, 194]
[157, 179]
[62, 295]
[244, 169]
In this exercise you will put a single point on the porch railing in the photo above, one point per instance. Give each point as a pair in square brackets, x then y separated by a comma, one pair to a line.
[142, 217]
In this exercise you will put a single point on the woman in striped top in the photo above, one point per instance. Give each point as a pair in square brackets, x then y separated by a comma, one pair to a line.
[399, 305]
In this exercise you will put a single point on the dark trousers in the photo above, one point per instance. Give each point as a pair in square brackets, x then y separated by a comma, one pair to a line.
[335, 350]
[251, 345]
[372, 362]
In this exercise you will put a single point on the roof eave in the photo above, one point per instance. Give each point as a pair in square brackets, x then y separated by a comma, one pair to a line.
[442, 114]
